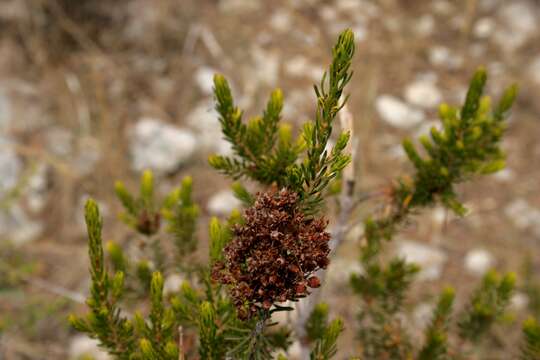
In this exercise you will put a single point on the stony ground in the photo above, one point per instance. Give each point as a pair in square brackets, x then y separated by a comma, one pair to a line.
[93, 91]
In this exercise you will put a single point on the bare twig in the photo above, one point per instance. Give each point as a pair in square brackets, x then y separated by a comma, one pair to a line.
[181, 355]
[347, 204]
[56, 289]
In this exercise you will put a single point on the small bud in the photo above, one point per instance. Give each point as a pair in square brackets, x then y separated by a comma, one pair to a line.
[314, 282]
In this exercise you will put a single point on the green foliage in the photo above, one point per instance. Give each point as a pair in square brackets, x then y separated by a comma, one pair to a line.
[387, 285]
[263, 149]
[436, 343]
[531, 346]
[467, 144]
[326, 346]
[322, 334]
[104, 321]
[317, 322]
[487, 304]
[220, 235]
[181, 214]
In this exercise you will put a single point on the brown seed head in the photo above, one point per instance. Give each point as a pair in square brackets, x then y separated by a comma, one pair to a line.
[273, 254]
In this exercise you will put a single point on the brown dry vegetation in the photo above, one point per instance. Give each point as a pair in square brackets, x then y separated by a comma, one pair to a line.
[94, 67]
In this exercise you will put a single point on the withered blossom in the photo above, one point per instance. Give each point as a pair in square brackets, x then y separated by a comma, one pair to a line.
[273, 256]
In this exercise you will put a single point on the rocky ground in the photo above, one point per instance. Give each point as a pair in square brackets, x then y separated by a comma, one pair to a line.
[92, 91]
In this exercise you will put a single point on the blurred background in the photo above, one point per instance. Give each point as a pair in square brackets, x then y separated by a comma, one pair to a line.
[93, 91]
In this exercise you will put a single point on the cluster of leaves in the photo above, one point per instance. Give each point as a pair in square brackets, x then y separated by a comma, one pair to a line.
[263, 148]
[146, 215]
[467, 144]
[264, 152]
[270, 253]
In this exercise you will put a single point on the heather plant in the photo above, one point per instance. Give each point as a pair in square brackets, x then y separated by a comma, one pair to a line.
[272, 255]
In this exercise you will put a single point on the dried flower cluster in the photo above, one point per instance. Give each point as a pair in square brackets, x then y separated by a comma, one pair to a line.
[274, 254]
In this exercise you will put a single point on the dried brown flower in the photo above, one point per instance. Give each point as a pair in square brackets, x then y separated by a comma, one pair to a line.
[274, 254]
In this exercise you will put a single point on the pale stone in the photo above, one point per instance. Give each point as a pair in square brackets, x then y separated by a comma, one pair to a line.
[204, 78]
[266, 66]
[519, 301]
[519, 20]
[484, 28]
[397, 113]
[478, 261]
[425, 25]
[442, 56]
[423, 93]
[160, 146]
[172, 283]
[17, 226]
[204, 119]
[430, 258]
[523, 215]
[422, 315]
[222, 203]
[281, 20]
[81, 346]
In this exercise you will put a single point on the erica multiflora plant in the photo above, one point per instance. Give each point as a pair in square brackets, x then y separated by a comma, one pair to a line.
[274, 252]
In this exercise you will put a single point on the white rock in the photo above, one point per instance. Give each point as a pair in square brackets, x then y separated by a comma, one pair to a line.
[442, 56]
[523, 215]
[430, 259]
[204, 119]
[204, 78]
[534, 70]
[422, 315]
[172, 283]
[16, 226]
[10, 166]
[519, 301]
[222, 203]
[484, 27]
[300, 66]
[519, 19]
[266, 66]
[478, 261]
[36, 188]
[82, 345]
[423, 93]
[504, 175]
[159, 146]
[281, 20]
[397, 113]
[439, 215]
[425, 25]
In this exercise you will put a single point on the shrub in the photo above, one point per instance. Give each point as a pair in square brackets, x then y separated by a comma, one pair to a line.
[276, 250]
